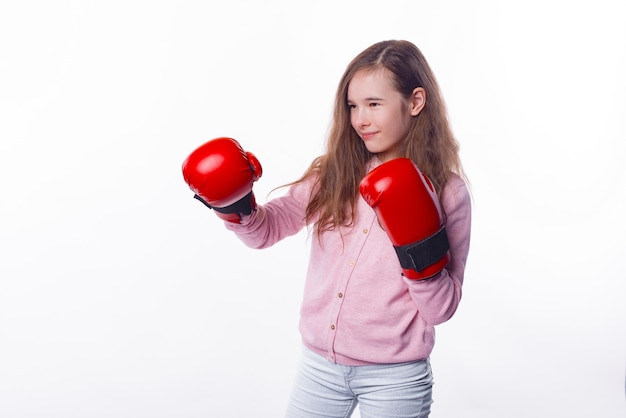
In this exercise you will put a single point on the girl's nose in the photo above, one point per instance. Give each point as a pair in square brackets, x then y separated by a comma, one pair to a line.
[361, 118]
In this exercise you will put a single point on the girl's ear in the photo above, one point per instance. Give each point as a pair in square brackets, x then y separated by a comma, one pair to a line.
[418, 100]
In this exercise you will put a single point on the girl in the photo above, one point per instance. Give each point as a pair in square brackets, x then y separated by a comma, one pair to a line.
[367, 330]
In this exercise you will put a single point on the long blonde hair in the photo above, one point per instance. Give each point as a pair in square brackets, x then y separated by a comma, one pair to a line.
[430, 143]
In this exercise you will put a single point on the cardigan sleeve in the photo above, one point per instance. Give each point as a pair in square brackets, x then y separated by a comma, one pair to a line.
[279, 218]
[438, 298]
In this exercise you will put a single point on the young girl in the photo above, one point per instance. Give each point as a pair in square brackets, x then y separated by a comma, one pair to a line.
[367, 329]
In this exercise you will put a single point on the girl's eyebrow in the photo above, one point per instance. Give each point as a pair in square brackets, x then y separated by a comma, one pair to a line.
[369, 99]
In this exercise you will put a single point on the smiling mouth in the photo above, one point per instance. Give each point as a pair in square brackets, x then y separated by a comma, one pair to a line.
[367, 135]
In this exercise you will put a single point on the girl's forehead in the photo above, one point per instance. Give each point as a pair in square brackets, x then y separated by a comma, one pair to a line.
[373, 72]
[370, 80]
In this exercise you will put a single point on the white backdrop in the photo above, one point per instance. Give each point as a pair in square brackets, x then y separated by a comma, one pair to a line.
[121, 296]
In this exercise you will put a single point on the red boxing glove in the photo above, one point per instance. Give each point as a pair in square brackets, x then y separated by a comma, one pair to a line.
[407, 208]
[221, 173]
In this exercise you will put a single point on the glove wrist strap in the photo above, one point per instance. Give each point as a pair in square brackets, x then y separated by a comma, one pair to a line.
[419, 255]
[244, 206]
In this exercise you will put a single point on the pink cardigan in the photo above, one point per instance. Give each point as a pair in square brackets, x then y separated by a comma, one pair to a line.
[357, 308]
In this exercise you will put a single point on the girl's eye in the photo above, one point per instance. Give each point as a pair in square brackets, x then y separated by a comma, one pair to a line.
[374, 104]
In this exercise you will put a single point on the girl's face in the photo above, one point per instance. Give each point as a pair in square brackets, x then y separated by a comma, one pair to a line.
[379, 114]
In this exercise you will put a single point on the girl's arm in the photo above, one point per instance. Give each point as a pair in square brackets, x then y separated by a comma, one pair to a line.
[277, 219]
[438, 298]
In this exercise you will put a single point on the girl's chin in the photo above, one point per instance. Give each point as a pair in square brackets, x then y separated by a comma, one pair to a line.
[374, 149]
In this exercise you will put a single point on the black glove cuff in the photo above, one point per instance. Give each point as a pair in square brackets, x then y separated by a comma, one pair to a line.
[243, 206]
[421, 254]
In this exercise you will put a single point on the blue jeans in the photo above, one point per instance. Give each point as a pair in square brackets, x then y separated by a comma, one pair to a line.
[325, 389]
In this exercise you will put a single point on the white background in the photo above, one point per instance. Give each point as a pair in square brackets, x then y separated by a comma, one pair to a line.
[121, 296]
